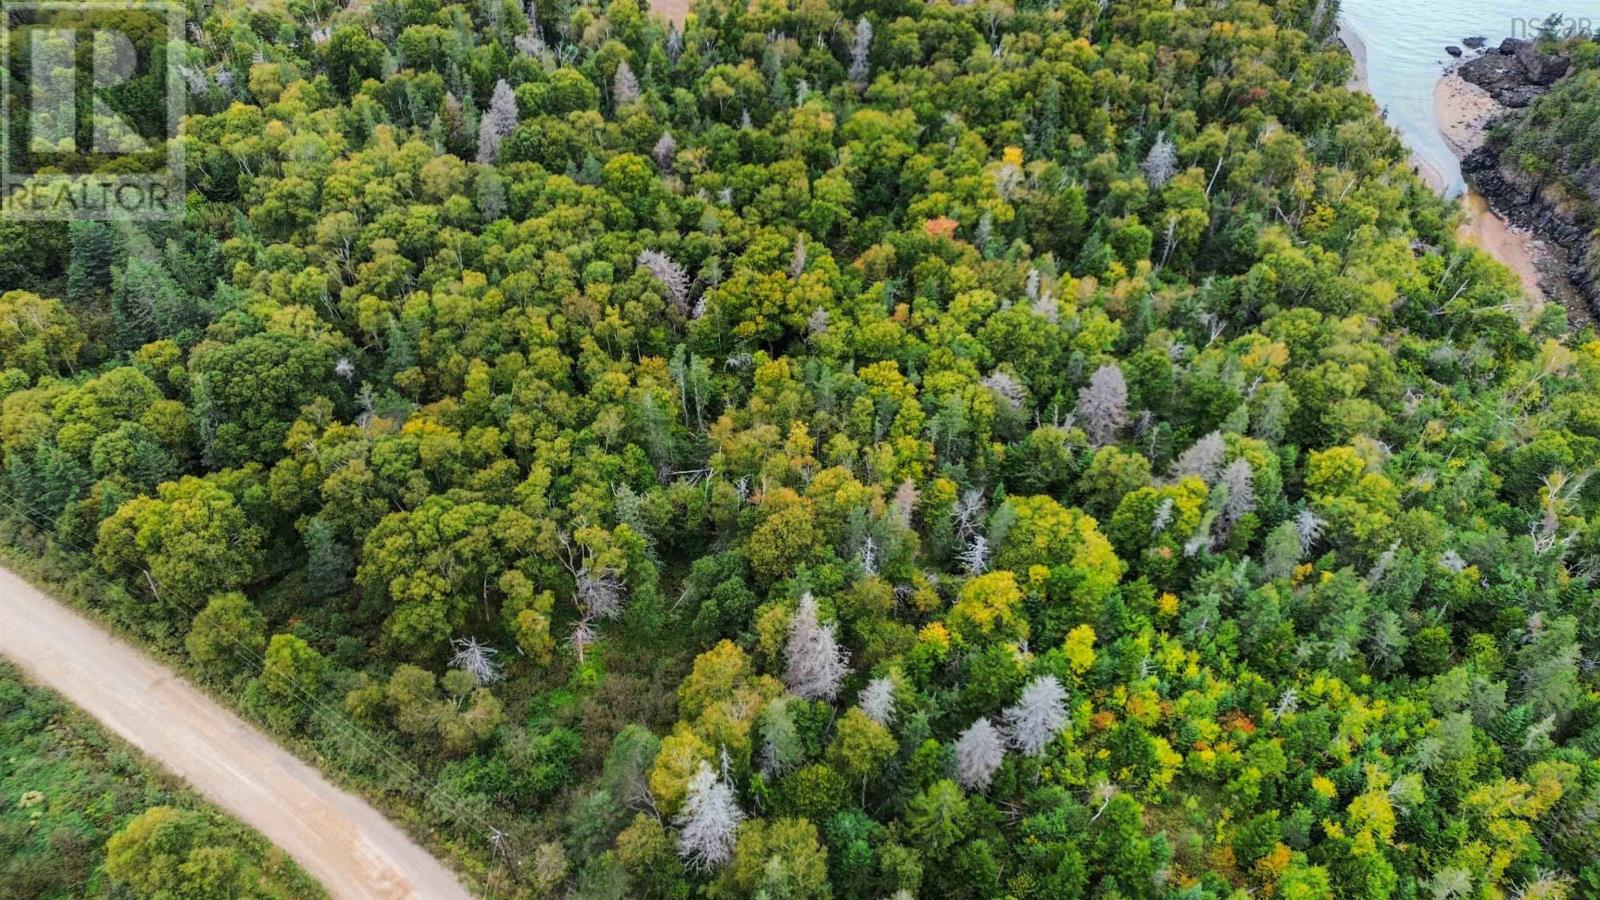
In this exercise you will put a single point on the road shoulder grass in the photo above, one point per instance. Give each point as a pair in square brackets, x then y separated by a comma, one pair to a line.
[82, 814]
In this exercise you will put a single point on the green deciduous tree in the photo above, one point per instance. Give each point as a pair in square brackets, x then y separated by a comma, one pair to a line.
[228, 636]
[431, 566]
[181, 546]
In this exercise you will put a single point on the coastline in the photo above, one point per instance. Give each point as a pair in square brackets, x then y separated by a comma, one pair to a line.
[1357, 48]
[1358, 53]
[1463, 113]
[1516, 249]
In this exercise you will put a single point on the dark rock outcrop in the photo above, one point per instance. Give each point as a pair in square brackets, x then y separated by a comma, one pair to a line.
[1453, 50]
[1518, 74]
[1518, 200]
[1540, 68]
[1475, 43]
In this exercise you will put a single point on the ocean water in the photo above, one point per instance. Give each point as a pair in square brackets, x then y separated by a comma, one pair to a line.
[1405, 41]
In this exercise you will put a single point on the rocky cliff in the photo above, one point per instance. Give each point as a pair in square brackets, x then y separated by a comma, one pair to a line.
[1540, 168]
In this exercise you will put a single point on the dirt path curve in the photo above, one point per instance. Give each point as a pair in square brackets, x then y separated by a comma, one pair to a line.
[340, 840]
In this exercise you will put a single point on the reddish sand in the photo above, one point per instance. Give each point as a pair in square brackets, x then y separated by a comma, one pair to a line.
[1463, 112]
[1518, 250]
[671, 10]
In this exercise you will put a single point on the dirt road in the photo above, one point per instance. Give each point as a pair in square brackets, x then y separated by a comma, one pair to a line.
[340, 840]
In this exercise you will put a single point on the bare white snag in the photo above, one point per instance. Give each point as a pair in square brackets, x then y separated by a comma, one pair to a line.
[979, 752]
[877, 701]
[860, 63]
[1046, 307]
[968, 514]
[597, 594]
[529, 44]
[665, 152]
[671, 275]
[1288, 702]
[817, 325]
[601, 593]
[1238, 479]
[1204, 458]
[477, 659]
[1162, 518]
[497, 123]
[867, 556]
[816, 662]
[974, 558]
[582, 637]
[1007, 388]
[1038, 716]
[1103, 404]
[1161, 163]
[624, 85]
[708, 821]
[1308, 527]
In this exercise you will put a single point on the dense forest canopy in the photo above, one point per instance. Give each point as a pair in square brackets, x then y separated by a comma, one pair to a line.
[851, 448]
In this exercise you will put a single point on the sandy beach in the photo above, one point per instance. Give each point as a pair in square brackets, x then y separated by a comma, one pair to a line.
[1429, 173]
[1464, 112]
[1518, 250]
[1358, 53]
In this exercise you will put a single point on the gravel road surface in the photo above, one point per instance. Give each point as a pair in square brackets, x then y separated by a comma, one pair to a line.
[339, 839]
